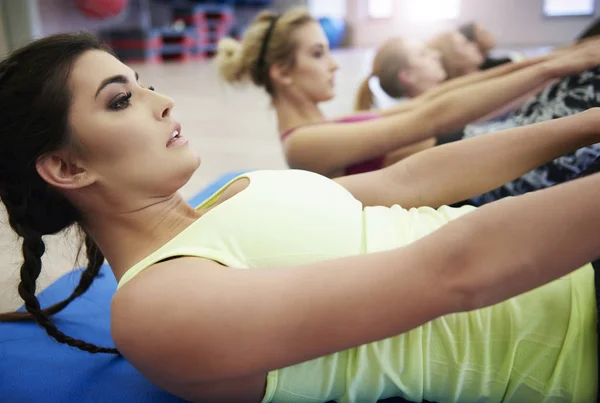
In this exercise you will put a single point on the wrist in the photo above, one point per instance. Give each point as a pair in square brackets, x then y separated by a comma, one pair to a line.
[549, 69]
[590, 120]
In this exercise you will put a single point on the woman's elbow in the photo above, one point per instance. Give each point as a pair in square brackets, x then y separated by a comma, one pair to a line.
[462, 277]
[308, 162]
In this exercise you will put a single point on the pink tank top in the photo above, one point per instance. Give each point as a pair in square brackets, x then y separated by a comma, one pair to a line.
[364, 166]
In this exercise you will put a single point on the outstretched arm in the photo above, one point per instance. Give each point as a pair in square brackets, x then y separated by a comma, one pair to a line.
[464, 81]
[458, 171]
[247, 322]
[326, 148]
[480, 76]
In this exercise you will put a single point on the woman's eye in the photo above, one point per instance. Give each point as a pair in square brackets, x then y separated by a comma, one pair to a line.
[121, 102]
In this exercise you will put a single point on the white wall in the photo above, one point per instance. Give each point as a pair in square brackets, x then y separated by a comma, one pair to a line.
[516, 23]
[329, 8]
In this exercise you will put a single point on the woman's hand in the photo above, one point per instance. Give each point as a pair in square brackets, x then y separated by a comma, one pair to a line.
[575, 61]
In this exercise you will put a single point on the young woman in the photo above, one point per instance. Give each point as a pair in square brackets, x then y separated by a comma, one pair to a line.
[289, 56]
[411, 72]
[459, 55]
[406, 71]
[401, 70]
[289, 286]
[484, 40]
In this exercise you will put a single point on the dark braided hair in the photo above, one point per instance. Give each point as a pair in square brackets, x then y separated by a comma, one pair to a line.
[35, 109]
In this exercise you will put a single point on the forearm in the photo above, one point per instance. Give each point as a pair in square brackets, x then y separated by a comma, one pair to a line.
[460, 82]
[478, 77]
[521, 243]
[402, 107]
[458, 108]
[461, 170]
[516, 103]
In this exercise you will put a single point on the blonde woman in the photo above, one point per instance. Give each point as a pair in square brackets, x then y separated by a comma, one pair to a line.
[289, 56]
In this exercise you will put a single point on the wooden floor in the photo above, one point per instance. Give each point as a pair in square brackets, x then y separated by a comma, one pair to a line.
[232, 128]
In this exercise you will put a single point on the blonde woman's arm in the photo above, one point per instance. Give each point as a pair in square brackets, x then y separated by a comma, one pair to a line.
[489, 74]
[327, 148]
[458, 171]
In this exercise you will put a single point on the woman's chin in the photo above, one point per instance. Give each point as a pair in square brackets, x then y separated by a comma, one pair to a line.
[328, 96]
[189, 164]
[182, 178]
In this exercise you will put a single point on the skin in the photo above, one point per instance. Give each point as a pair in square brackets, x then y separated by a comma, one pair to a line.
[466, 55]
[311, 80]
[424, 68]
[485, 39]
[462, 56]
[299, 89]
[121, 175]
[440, 111]
[124, 179]
[470, 271]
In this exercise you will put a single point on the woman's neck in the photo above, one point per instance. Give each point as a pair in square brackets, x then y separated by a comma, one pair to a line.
[292, 113]
[129, 237]
[417, 90]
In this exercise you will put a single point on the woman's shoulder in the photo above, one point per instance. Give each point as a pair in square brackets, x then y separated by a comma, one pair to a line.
[159, 323]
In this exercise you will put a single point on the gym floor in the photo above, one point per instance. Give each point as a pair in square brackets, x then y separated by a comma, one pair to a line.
[233, 128]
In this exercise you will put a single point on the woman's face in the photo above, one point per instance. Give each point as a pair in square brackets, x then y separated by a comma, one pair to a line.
[462, 56]
[424, 67]
[313, 73]
[484, 39]
[126, 138]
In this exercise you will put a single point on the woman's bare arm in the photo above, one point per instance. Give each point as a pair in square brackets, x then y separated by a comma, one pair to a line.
[489, 74]
[327, 148]
[193, 321]
[458, 171]
[517, 102]
[464, 81]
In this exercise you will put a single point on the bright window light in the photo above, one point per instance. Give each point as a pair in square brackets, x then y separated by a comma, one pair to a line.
[432, 10]
[381, 8]
[560, 8]
[329, 8]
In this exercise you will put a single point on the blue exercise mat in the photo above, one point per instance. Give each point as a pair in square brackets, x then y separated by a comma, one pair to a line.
[35, 368]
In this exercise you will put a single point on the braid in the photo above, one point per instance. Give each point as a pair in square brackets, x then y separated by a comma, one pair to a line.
[95, 261]
[33, 249]
[35, 112]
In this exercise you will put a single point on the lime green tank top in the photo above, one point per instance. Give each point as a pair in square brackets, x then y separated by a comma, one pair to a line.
[538, 347]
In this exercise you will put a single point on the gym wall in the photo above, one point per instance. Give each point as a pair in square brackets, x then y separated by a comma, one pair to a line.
[516, 23]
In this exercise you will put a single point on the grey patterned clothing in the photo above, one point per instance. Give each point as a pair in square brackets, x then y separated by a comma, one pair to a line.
[569, 96]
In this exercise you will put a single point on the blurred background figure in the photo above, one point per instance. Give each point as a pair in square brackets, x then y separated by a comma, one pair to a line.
[485, 41]
[460, 56]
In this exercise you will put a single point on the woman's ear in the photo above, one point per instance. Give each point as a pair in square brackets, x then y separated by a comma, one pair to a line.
[61, 171]
[406, 78]
[281, 75]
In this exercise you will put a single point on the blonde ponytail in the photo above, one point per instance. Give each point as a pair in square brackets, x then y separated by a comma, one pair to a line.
[239, 61]
[229, 60]
[364, 97]
[391, 57]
